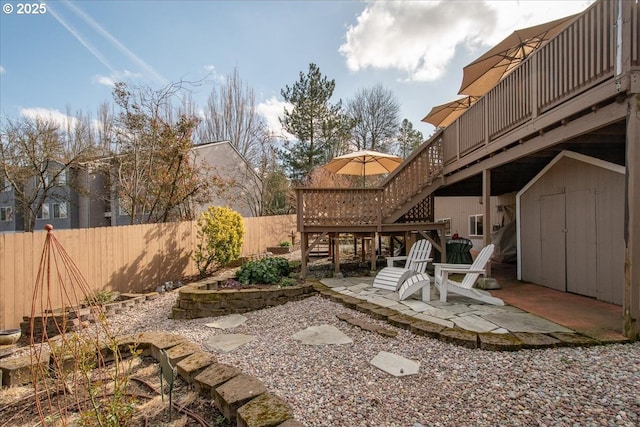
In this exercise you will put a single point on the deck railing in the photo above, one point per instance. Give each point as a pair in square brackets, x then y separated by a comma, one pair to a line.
[577, 60]
[369, 206]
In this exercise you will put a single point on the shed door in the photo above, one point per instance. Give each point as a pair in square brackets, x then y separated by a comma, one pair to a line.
[582, 275]
[553, 241]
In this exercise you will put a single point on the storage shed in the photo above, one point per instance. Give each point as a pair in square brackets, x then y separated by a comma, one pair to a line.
[570, 227]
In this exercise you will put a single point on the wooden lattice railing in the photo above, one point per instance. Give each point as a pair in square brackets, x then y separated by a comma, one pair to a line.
[370, 206]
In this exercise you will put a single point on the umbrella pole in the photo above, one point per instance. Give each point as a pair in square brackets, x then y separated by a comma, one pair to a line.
[364, 175]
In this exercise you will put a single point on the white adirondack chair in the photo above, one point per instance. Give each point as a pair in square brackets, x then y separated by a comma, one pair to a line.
[471, 272]
[391, 278]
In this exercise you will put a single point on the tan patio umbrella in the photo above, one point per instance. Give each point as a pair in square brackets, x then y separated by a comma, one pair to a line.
[363, 163]
[485, 72]
[444, 114]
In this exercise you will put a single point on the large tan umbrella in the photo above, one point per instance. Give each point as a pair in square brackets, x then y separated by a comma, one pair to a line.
[444, 114]
[363, 163]
[485, 72]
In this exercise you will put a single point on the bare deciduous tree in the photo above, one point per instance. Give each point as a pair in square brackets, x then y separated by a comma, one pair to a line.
[36, 158]
[231, 115]
[375, 115]
[155, 177]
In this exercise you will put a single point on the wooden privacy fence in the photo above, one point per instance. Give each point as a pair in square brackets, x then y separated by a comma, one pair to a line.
[130, 258]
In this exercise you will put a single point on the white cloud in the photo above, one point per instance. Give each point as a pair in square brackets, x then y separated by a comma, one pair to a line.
[104, 80]
[210, 68]
[420, 38]
[116, 76]
[272, 109]
[49, 115]
[1, 69]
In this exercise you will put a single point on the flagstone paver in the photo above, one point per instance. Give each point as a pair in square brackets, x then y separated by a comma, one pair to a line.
[227, 342]
[395, 364]
[228, 322]
[322, 335]
[414, 305]
[382, 301]
[474, 323]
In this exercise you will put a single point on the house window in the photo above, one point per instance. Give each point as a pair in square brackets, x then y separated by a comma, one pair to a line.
[59, 210]
[43, 212]
[121, 210]
[447, 221]
[6, 185]
[475, 225]
[6, 213]
[61, 179]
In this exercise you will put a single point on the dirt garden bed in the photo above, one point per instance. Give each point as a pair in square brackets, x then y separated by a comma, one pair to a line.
[17, 404]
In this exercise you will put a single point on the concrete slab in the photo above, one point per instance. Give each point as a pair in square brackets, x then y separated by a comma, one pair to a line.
[227, 322]
[226, 342]
[474, 323]
[322, 335]
[394, 364]
[524, 322]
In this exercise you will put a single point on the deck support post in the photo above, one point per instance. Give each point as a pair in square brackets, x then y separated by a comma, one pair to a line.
[304, 249]
[486, 216]
[631, 299]
[336, 253]
[374, 256]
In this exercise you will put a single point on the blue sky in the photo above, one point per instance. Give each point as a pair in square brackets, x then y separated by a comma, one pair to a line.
[67, 58]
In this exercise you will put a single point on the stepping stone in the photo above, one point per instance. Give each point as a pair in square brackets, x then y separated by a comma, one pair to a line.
[321, 335]
[227, 342]
[227, 322]
[394, 364]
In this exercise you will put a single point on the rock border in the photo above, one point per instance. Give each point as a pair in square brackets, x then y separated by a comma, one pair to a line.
[462, 337]
[240, 397]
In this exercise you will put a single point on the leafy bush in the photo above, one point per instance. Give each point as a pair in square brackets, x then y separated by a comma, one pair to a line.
[284, 243]
[102, 297]
[220, 234]
[288, 281]
[266, 270]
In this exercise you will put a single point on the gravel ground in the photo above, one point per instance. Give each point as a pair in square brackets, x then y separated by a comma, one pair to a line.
[336, 386]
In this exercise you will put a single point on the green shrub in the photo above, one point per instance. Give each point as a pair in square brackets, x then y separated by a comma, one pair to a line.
[102, 297]
[288, 281]
[284, 243]
[266, 270]
[220, 234]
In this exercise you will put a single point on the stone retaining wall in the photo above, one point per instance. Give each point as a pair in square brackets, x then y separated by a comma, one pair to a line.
[204, 299]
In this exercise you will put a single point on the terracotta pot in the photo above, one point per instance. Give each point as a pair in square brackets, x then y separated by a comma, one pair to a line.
[9, 336]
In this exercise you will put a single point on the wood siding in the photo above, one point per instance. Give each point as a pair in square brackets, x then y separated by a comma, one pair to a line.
[131, 258]
[459, 209]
